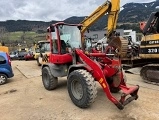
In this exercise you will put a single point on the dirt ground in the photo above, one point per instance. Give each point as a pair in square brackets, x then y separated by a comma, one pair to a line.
[24, 98]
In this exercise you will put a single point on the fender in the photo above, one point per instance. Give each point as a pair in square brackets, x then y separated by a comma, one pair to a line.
[57, 70]
[75, 66]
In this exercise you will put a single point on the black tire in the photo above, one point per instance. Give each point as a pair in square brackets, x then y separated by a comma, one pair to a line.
[38, 63]
[81, 88]
[49, 81]
[3, 79]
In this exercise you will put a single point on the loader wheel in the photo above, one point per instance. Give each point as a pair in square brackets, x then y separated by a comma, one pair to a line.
[49, 81]
[81, 88]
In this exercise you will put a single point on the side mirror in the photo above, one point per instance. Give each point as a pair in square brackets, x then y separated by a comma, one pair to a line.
[80, 27]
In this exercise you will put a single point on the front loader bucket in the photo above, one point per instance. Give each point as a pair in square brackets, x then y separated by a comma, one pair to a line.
[127, 91]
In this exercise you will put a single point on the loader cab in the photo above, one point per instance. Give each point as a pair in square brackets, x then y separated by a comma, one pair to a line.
[63, 39]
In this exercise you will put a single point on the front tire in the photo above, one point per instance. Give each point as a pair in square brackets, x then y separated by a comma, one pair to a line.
[49, 81]
[3, 79]
[81, 88]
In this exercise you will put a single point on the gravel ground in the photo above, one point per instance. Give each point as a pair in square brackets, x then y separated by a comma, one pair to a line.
[24, 98]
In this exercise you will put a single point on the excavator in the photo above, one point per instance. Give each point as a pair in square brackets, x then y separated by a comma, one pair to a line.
[74, 58]
[149, 49]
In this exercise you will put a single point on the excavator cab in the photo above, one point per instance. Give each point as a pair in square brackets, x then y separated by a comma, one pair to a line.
[152, 25]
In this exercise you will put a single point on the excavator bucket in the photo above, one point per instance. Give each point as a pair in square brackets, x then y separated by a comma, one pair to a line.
[121, 44]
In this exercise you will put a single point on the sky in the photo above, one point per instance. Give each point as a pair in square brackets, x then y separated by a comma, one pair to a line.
[48, 10]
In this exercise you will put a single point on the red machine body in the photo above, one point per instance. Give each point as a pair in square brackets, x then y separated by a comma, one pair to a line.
[82, 68]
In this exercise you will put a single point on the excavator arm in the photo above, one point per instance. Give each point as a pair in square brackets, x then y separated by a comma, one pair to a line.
[112, 17]
[112, 8]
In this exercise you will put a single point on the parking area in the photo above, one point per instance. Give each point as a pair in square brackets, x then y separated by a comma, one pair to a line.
[24, 98]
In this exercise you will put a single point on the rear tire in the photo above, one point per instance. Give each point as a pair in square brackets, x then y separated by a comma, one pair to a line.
[49, 81]
[3, 79]
[81, 88]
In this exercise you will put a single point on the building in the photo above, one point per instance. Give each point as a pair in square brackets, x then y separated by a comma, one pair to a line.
[132, 34]
[97, 35]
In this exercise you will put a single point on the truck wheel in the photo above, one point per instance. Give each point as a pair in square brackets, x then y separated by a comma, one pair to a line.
[39, 59]
[81, 88]
[49, 81]
[3, 79]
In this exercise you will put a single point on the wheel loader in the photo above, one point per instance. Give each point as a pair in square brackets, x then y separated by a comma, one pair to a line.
[82, 67]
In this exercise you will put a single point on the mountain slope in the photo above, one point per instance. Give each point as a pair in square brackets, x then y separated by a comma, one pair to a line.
[130, 13]
[135, 12]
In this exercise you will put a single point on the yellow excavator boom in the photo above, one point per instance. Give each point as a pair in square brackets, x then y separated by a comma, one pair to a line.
[112, 8]
[112, 17]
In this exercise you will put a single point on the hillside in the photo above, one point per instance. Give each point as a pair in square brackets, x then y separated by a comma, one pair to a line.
[130, 13]
[135, 12]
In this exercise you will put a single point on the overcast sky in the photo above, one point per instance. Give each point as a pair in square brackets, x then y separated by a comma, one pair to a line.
[47, 10]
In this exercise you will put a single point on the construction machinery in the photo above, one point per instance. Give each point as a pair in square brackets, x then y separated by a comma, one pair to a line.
[82, 67]
[149, 49]
[42, 52]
